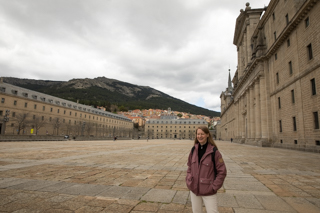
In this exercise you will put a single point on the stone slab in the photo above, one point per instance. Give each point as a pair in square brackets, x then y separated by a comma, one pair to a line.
[33, 185]
[115, 191]
[135, 193]
[159, 195]
[56, 187]
[274, 203]
[181, 197]
[14, 182]
[83, 189]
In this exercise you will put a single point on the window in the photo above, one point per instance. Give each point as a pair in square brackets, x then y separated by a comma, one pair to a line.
[292, 96]
[316, 120]
[35, 106]
[287, 19]
[275, 35]
[313, 86]
[58, 110]
[280, 126]
[288, 43]
[15, 103]
[25, 105]
[34, 117]
[275, 56]
[277, 78]
[1, 113]
[44, 108]
[294, 123]
[290, 68]
[50, 119]
[51, 109]
[42, 118]
[307, 22]
[281, 141]
[279, 103]
[318, 143]
[13, 114]
[273, 16]
[2, 100]
[310, 54]
[295, 142]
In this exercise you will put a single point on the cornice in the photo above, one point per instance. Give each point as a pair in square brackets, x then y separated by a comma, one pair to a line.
[305, 8]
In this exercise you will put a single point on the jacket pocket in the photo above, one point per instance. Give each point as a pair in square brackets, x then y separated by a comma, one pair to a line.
[206, 186]
[189, 180]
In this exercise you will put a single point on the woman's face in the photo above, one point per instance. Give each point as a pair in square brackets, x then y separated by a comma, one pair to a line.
[202, 136]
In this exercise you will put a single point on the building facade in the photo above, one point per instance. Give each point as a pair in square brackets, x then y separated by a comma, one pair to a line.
[27, 112]
[171, 127]
[275, 98]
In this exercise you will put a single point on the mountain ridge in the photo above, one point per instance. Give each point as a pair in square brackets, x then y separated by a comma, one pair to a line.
[102, 91]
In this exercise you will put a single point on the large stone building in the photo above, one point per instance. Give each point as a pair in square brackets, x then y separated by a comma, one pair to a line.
[275, 100]
[27, 112]
[169, 126]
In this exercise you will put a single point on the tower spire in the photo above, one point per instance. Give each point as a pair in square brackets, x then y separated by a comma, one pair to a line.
[229, 82]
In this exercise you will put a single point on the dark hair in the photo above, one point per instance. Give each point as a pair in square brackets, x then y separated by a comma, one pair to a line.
[205, 130]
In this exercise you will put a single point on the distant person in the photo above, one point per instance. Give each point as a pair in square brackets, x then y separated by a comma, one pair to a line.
[204, 181]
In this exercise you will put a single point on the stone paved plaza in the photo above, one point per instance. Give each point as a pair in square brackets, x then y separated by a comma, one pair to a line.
[142, 177]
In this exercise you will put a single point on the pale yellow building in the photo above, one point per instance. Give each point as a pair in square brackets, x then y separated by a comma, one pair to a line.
[26, 112]
[171, 127]
[275, 100]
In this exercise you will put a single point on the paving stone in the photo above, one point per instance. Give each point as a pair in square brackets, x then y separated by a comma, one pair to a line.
[147, 207]
[135, 193]
[227, 200]
[302, 205]
[33, 185]
[172, 207]
[248, 201]
[14, 182]
[56, 187]
[115, 207]
[159, 195]
[181, 197]
[314, 201]
[274, 203]
[84, 189]
[244, 210]
[115, 191]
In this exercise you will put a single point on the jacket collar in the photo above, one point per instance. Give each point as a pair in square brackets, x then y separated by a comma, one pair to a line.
[208, 151]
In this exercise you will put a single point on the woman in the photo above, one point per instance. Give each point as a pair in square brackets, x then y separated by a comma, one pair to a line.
[202, 180]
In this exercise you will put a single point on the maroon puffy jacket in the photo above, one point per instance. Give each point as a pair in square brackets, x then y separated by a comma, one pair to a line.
[200, 176]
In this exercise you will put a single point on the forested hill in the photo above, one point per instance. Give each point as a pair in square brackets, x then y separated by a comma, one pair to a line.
[105, 92]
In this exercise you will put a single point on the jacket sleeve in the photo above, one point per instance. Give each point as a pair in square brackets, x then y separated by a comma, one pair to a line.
[189, 166]
[221, 171]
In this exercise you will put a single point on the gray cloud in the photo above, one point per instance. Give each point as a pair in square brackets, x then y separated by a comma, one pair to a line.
[180, 47]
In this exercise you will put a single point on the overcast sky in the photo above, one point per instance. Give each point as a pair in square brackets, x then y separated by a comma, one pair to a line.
[181, 47]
